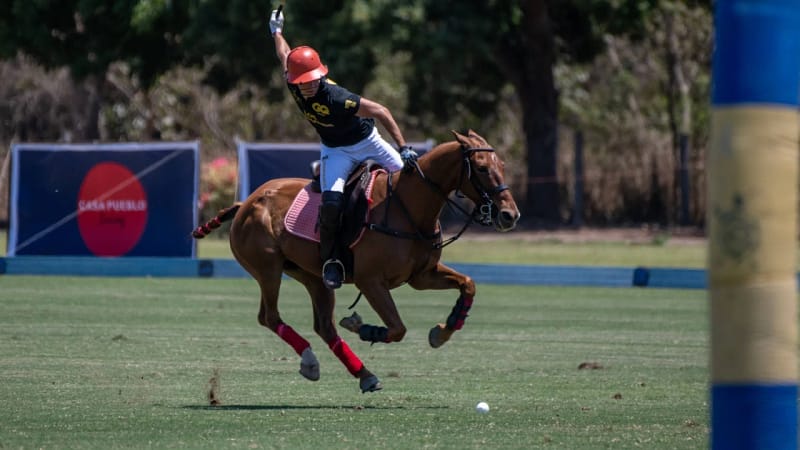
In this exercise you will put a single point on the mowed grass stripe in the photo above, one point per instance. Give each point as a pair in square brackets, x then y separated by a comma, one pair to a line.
[125, 363]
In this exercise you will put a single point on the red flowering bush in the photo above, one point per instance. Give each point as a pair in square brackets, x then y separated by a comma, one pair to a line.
[217, 186]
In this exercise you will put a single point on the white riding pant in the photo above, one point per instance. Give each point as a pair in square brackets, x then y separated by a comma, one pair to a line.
[338, 162]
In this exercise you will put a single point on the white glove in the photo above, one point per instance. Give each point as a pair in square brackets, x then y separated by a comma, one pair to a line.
[276, 22]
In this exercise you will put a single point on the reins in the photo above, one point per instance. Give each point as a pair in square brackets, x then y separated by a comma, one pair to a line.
[384, 228]
[482, 214]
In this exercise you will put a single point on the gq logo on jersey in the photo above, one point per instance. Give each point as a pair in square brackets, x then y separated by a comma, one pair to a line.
[322, 110]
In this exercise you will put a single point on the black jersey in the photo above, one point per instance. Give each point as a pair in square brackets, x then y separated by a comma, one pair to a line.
[332, 111]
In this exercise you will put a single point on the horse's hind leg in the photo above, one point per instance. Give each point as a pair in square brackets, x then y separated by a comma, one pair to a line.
[443, 277]
[324, 301]
[269, 316]
[382, 303]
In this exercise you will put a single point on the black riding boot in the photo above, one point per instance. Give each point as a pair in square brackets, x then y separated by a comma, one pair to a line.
[330, 220]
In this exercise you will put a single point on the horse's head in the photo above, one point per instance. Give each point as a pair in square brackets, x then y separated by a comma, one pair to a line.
[484, 183]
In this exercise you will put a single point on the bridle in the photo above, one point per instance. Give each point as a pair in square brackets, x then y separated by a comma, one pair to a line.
[483, 213]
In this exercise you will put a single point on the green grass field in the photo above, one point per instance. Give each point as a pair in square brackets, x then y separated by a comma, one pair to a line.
[510, 249]
[125, 363]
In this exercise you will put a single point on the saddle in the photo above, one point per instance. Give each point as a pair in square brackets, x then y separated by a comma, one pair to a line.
[302, 217]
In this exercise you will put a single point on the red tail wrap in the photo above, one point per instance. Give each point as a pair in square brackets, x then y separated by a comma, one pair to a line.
[291, 337]
[342, 351]
[206, 229]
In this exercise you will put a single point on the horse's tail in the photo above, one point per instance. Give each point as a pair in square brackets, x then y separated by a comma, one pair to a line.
[223, 216]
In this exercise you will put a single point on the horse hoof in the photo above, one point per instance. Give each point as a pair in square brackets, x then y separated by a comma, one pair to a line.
[311, 372]
[352, 323]
[439, 335]
[370, 384]
[309, 365]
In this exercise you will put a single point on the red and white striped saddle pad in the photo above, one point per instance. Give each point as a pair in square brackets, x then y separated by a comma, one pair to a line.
[301, 218]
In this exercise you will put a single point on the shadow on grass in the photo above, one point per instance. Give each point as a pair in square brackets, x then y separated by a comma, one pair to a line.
[289, 407]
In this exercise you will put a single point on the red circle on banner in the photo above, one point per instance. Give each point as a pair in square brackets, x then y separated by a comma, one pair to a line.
[112, 209]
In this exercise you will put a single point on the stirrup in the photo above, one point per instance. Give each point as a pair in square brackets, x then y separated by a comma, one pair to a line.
[333, 273]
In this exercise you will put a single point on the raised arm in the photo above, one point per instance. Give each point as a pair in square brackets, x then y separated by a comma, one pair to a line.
[276, 28]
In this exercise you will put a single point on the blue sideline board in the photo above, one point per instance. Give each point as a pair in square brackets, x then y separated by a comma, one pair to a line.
[504, 274]
[260, 162]
[109, 200]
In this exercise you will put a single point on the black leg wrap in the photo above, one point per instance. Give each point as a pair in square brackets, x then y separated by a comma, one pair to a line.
[455, 321]
[372, 333]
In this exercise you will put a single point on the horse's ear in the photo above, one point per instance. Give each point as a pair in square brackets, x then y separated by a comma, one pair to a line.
[460, 137]
[471, 133]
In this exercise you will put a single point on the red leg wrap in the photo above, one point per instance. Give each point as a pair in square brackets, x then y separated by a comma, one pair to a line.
[291, 337]
[455, 321]
[342, 351]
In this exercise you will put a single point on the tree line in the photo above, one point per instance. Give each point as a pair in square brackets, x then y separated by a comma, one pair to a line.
[631, 76]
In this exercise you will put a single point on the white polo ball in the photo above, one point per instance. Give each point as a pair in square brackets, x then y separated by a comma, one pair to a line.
[482, 408]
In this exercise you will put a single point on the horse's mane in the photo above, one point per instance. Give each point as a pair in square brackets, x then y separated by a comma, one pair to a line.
[441, 148]
[470, 138]
[438, 151]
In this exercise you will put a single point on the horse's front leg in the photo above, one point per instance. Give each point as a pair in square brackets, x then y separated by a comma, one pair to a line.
[443, 277]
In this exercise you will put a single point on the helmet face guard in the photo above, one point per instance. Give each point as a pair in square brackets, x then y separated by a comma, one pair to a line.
[303, 65]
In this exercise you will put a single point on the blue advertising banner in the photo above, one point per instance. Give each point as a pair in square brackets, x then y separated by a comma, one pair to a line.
[261, 162]
[135, 199]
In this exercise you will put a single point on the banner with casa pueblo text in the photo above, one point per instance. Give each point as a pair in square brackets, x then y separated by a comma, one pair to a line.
[110, 200]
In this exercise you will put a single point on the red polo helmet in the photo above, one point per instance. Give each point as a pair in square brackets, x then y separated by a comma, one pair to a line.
[303, 65]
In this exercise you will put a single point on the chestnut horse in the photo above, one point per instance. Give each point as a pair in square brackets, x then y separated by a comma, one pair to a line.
[404, 248]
